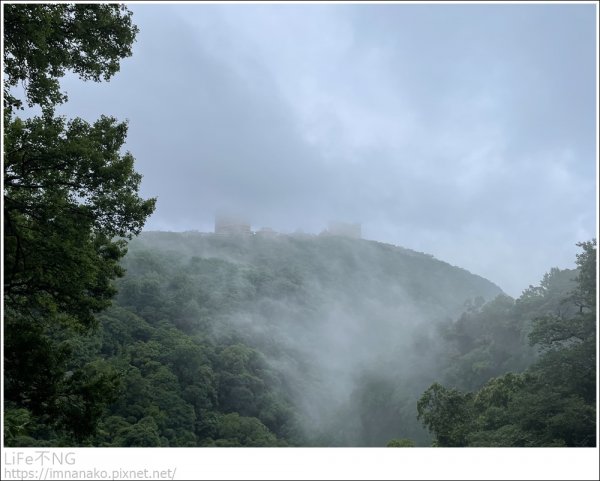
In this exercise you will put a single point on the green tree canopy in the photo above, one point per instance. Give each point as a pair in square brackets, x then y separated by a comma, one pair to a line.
[553, 403]
[68, 192]
[42, 42]
[70, 201]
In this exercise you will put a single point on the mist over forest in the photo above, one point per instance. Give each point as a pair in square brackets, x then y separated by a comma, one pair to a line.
[329, 315]
[119, 333]
[303, 340]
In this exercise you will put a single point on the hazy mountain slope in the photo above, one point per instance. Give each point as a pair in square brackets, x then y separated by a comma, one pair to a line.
[339, 263]
[330, 314]
[301, 341]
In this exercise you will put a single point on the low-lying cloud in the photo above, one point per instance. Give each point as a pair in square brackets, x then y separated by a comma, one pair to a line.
[464, 131]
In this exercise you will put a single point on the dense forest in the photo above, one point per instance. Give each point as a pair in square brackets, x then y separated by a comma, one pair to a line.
[113, 337]
[320, 341]
[553, 401]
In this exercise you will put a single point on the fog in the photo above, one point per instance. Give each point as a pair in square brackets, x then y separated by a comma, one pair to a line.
[350, 326]
[354, 202]
[464, 131]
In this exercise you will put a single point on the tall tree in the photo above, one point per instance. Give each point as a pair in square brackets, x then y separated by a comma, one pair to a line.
[70, 202]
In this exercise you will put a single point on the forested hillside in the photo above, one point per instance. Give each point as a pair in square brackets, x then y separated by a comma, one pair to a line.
[192, 339]
[331, 315]
[251, 341]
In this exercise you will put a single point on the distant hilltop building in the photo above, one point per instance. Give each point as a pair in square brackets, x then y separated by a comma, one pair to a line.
[344, 229]
[230, 226]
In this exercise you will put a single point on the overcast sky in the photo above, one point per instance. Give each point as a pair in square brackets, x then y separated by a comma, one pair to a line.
[463, 131]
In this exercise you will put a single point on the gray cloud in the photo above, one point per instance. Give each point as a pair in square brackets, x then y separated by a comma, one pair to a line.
[463, 131]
